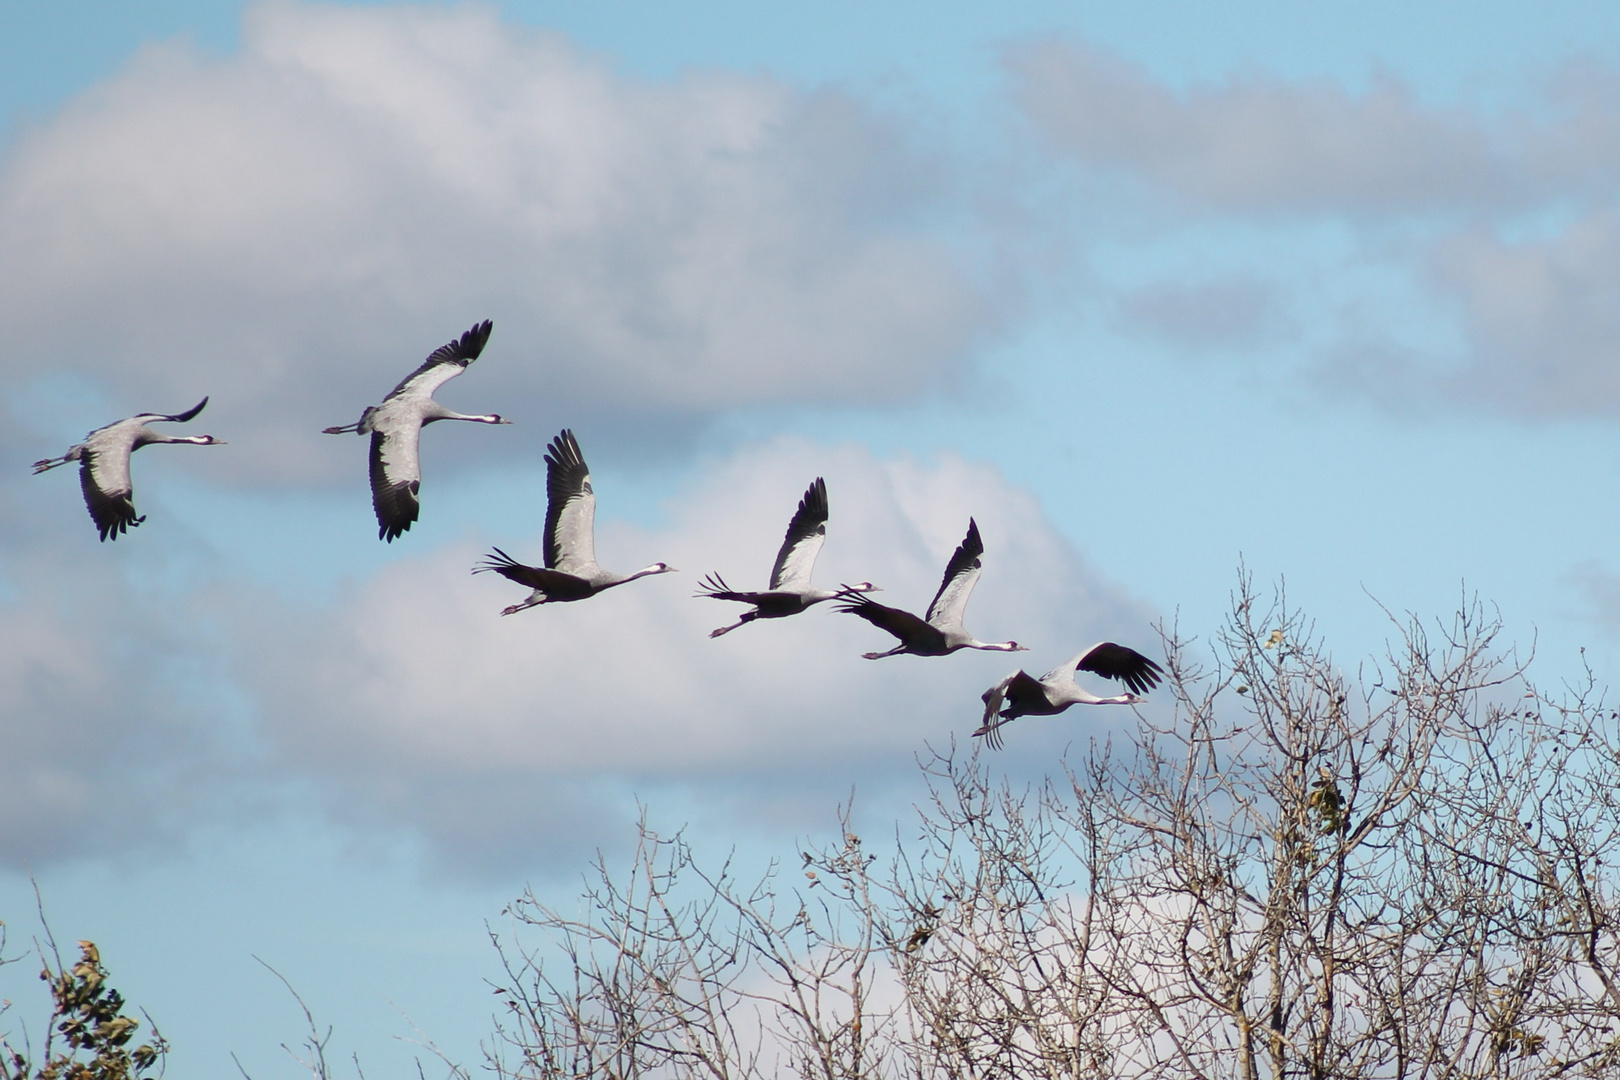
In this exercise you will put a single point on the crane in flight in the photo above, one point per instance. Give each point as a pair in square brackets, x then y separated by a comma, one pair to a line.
[940, 632]
[790, 591]
[571, 571]
[103, 460]
[396, 425]
[1056, 690]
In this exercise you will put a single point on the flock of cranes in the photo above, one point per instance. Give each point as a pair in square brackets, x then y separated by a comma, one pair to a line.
[571, 572]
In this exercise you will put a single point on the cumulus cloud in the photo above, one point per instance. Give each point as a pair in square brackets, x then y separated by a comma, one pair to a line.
[497, 736]
[114, 739]
[293, 228]
[1257, 144]
[1454, 211]
[1539, 315]
[1532, 333]
[1239, 312]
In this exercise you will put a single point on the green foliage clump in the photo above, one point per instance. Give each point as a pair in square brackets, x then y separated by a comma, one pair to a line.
[88, 1016]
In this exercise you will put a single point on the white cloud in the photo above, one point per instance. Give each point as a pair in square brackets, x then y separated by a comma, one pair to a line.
[1239, 312]
[1540, 317]
[1258, 144]
[293, 228]
[419, 699]
[1437, 297]
[112, 733]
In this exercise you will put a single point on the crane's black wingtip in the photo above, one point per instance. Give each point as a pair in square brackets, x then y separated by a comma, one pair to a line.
[497, 561]
[182, 417]
[563, 451]
[474, 340]
[711, 585]
[854, 604]
[991, 733]
[112, 530]
[462, 351]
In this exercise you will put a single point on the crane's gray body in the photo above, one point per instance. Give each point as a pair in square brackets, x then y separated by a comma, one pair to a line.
[940, 632]
[790, 592]
[1056, 691]
[103, 457]
[571, 571]
[396, 425]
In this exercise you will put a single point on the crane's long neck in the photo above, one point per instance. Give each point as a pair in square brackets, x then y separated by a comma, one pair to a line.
[995, 646]
[1074, 694]
[439, 412]
[146, 438]
[645, 571]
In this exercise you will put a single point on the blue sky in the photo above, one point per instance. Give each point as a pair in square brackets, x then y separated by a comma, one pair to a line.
[1149, 290]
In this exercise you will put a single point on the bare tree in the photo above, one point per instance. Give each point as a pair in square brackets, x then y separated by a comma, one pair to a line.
[674, 972]
[1285, 871]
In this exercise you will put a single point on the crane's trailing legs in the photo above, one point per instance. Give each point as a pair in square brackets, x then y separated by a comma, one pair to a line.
[46, 464]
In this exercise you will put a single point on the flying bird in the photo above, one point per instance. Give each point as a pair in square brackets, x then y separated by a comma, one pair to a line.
[940, 633]
[103, 460]
[790, 591]
[570, 572]
[1056, 690]
[396, 426]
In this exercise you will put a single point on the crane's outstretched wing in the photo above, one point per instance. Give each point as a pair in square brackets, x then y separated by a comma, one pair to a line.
[549, 584]
[446, 362]
[570, 508]
[535, 577]
[805, 535]
[902, 624]
[396, 478]
[961, 574]
[990, 726]
[993, 698]
[1112, 661]
[713, 585]
[1027, 695]
[179, 418]
[108, 494]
